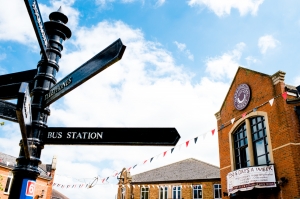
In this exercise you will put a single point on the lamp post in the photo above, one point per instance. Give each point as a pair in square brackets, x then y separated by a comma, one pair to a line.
[26, 171]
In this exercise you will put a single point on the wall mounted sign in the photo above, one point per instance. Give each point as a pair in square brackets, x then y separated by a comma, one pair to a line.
[246, 179]
[242, 96]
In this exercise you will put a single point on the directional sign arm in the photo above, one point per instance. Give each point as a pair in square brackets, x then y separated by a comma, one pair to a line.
[98, 63]
[8, 111]
[23, 112]
[38, 25]
[112, 136]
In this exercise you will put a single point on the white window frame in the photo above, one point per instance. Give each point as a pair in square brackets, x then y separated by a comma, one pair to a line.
[144, 190]
[10, 178]
[219, 188]
[196, 187]
[177, 190]
[163, 189]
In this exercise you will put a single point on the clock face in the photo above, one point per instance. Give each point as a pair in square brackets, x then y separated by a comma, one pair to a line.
[242, 96]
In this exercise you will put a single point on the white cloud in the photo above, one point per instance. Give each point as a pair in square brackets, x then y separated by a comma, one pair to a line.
[17, 24]
[160, 3]
[251, 60]
[182, 48]
[267, 42]
[225, 66]
[145, 89]
[2, 56]
[223, 7]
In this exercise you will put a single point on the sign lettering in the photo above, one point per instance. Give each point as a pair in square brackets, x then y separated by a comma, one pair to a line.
[58, 88]
[40, 23]
[75, 135]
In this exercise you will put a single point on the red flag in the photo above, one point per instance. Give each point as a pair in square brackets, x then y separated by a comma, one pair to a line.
[213, 132]
[244, 115]
[103, 180]
[145, 161]
[165, 153]
[187, 143]
[284, 95]
[129, 169]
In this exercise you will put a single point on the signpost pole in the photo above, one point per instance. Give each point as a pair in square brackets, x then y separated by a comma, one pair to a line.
[26, 171]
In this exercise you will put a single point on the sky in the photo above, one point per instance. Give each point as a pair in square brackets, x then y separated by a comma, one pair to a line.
[180, 59]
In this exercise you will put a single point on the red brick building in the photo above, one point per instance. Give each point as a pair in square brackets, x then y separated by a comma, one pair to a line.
[259, 138]
[43, 188]
[186, 179]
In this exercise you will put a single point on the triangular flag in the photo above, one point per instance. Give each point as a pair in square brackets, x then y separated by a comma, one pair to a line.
[103, 180]
[54, 184]
[165, 153]
[145, 161]
[172, 150]
[116, 174]
[7, 163]
[271, 101]
[187, 143]
[195, 139]
[134, 166]
[255, 109]
[284, 95]
[129, 169]
[62, 186]
[213, 132]
[244, 115]
[151, 159]
[68, 186]
[204, 135]
[232, 120]
[107, 178]
[222, 126]
[179, 147]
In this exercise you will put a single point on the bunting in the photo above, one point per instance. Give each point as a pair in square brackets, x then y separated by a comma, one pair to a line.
[284, 95]
[165, 153]
[151, 159]
[232, 120]
[172, 150]
[271, 101]
[187, 143]
[213, 131]
[195, 140]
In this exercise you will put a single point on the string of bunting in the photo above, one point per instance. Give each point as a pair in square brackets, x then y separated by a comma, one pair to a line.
[163, 154]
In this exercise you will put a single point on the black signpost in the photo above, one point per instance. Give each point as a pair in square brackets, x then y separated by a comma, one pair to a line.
[36, 89]
[24, 115]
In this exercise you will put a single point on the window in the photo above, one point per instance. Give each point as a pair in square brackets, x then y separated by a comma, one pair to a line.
[123, 192]
[250, 143]
[176, 192]
[197, 192]
[8, 183]
[260, 142]
[217, 191]
[163, 193]
[145, 193]
[241, 147]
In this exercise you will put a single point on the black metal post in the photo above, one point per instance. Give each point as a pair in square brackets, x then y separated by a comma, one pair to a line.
[26, 169]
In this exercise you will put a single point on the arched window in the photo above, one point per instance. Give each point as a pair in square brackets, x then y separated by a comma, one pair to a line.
[250, 143]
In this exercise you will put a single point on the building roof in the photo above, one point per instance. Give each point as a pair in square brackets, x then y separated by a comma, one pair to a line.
[10, 161]
[185, 170]
[57, 195]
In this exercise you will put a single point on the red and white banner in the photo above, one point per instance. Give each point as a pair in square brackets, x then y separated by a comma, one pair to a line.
[246, 179]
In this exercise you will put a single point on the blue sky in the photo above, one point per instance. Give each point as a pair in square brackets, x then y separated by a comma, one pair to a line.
[180, 59]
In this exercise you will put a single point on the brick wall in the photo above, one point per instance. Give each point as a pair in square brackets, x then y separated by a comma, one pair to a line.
[186, 191]
[283, 127]
[41, 184]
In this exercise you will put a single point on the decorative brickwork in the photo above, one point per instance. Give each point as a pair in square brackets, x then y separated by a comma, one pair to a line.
[283, 131]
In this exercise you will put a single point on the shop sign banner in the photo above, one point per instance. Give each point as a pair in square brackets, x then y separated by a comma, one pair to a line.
[246, 179]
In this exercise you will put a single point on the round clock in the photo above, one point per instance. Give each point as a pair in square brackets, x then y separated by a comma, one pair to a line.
[242, 96]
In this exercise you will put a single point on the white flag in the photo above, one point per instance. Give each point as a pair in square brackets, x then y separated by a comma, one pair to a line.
[232, 120]
[271, 101]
